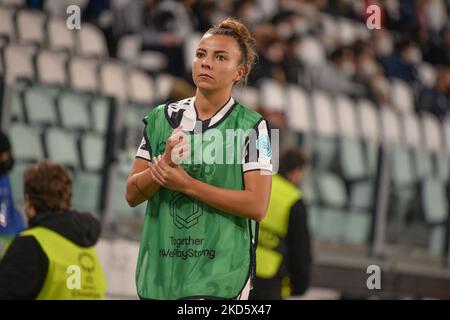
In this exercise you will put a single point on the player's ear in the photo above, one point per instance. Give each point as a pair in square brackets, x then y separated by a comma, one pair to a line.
[240, 73]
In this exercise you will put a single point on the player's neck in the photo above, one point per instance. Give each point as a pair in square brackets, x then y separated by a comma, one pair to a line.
[208, 103]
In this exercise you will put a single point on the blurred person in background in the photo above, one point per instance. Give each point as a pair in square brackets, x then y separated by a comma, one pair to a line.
[402, 62]
[338, 75]
[11, 222]
[37, 263]
[283, 256]
[198, 235]
[436, 100]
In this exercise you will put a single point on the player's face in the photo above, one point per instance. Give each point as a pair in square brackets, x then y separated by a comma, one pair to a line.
[217, 63]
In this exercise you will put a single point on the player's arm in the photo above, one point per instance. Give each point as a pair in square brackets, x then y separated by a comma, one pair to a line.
[252, 202]
[140, 184]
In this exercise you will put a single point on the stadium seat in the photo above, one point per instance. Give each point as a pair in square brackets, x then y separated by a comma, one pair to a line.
[248, 96]
[434, 201]
[442, 167]
[91, 41]
[272, 96]
[26, 143]
[101, 107]
[422, 160]
[120, 206]
[424, 166]
[314, 217]
[7, 28]
[18, 63]
[413, 131]
[129, 48]
[189, 48]
[402, 96]
[16, 179]
[362, 195]
[59, 37]
[432, 133]
[93, 151]
[17, 101]
[357, 227]
[112, 80]
[346, 115]
[87, 189]
[351, 159]
[446, 133]
[84, 74]
[370, 130]
[437, 239]
[324, 144]
[30, 27]
[308, 189]
[331, 190]
[61, 146]
[331, 225]
[298, 110]
[51, 67]
[391, 130]
[141, 88]
[40, 105]
[351, 153]
[164, 83]
[74, 111]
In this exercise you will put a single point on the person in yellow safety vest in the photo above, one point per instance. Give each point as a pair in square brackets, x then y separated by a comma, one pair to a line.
[54, 258]
[283, 255]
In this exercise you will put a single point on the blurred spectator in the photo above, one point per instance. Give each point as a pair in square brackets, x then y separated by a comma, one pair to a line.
[293, 67]
[271, 54]
[283, 256]
[36, 265]
[402, 63]
[165, 26]
[370, 73]
[11, 222]
[338, 76]
[437, 51]
[437, 99]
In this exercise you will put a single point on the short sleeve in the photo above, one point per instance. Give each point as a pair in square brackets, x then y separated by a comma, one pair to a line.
[257, 154]
[143, 151]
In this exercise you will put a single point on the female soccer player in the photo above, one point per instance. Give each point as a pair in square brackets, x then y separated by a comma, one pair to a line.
[198, 236]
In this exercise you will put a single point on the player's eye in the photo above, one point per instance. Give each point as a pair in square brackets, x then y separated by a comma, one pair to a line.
[220, 57]
[199, 54]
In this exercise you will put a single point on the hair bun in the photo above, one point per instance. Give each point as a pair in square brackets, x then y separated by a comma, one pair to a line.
[245, 39]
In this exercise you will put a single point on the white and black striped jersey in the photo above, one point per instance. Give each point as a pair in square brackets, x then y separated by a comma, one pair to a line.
[184, 112]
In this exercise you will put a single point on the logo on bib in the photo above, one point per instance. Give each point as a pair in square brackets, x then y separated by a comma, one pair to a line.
[185, 211]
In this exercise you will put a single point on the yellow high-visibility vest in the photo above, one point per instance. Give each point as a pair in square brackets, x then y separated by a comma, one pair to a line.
[273, 228]
[74, 272]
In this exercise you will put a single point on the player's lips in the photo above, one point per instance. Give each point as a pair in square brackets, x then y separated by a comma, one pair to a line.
[205, 76]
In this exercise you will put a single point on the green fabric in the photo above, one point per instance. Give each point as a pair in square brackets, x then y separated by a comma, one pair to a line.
[273, 228]
[189, 249]
[62, 254]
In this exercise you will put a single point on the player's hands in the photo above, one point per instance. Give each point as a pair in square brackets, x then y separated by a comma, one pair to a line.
[177, 147]
[174, 178]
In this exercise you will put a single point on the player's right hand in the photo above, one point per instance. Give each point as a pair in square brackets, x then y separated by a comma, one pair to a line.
[177, 147]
